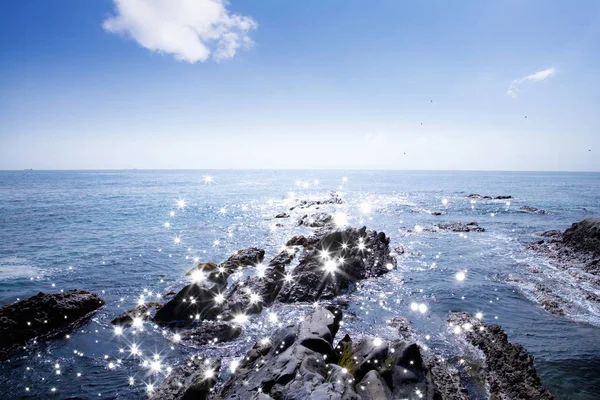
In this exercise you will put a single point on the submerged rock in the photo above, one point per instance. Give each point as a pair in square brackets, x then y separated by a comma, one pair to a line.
[534, 210]
[43, 316]
[478, 196]
[192, 379]
[460, 227]
[336, 261]
[509, 370]
[143, 311]
[282, 215]
[299, 362]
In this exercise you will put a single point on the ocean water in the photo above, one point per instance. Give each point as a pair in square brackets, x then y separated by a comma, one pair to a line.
[104, 231]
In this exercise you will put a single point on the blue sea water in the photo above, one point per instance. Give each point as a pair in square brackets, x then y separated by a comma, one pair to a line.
[104, 231]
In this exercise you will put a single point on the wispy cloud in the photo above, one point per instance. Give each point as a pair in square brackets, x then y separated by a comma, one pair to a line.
[513, 89]
[191, 30]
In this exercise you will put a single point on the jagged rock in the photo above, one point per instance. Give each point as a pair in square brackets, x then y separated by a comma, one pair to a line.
[192, 379]
[143, 311]
[373, 387]
[534, 210]
[334, 198]
[584, 236]
[338, 260]
[317, 220]
[295, 363]
[478, 196]
[460, 227]
[297, 241]
[282, 215]
[194, 301]
[212, 332]
[44, 316]
[510, 372]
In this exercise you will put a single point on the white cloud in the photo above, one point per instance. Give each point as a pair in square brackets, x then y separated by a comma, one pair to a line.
[191, 30]
[513, 89]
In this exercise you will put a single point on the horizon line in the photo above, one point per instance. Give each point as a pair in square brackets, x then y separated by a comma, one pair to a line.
[287, 169]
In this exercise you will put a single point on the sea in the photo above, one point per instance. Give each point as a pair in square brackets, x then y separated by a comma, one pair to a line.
[131, 235]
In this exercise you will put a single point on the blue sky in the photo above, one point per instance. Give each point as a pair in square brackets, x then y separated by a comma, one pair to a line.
[300, 84]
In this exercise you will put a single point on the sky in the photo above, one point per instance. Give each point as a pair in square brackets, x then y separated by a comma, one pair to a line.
[207, 84]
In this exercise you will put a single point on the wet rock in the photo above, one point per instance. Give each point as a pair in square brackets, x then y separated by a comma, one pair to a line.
[282, 215]
[534, 210]
[194, 301]
[509, 371]
[478, 196]
[503, 197]
[317, 220]
[219, 273]
[338, 260]
[334, 198]
[44, 316]
[460, 227]
[577, 248]
[399, 250]
[297, 241]
[143, 311]
[244, 258]
[192, 379]
[373, 387]
[212, 332]
[436, 213]
[295, 363]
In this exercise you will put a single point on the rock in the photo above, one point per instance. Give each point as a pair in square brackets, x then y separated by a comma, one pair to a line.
[509, 371]
[334, 198]
[373, 387]
[460, 227]
[478, 196]
[436, 213]
[208, 331]
[338, 260]
[192, 379]
[143, 311]
[195, 301]
[317, 220]
[503, 197]
[244, 258]
[584, 236]
[552, 233]
[44, 316]
[295, 363]
[282, 215]
[219, 273]
[534, 210]
[399, 250]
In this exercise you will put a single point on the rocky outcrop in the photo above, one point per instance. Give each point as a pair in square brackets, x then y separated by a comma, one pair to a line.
[460, 227]
[142, 311]
[317, 220]
[534, 210]
[478, 196]
[335, 262]
[509, 370]
[211, 332]
[192, 379]
[44, 316]
[300, 362]
[282, 215]
[334, 198]
[577, 247]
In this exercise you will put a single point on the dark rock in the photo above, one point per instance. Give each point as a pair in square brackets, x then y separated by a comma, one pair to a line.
[195, 301]
[503, 197]
[460, 227]
[334, 198]
[338, 260]
[282, 215]
[295, 363]
[143, 311]
[244, 258]
[510, 372]
[436, 213]
[317, 220]
[584, 236]
[478, 196]
[44, 316]
[552, 233]
[534, 210]
[192, 379]
[208, 331]
[373, 387]
[297, 241]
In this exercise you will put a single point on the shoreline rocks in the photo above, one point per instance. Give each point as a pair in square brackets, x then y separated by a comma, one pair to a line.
[334, 198]
[44, 316]
[478, 196]
[461, 227]
[509, 370]
[191, 379]
[534, 210]
[300, 362]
